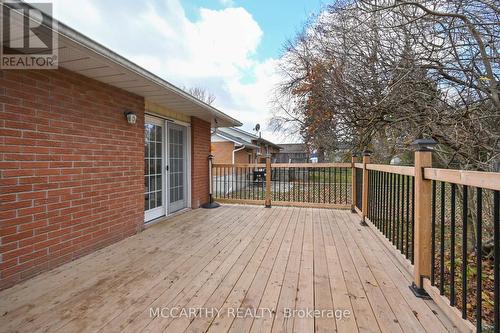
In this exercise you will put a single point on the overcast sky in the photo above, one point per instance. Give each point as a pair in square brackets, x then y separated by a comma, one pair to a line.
[229, 47]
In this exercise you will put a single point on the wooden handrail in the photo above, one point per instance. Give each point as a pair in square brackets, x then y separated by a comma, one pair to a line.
[397, 169]
[311, 165]
[282, 165]
[239, 165]
[358, 165]
[486, 180]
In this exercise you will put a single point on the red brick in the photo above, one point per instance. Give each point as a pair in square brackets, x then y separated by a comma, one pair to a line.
[61, 167]
[46, 244]
[8, 230]
[16, 205]
[31, 195]
[9, 165]
[33, 255]
[31, 211]
[17, 236]
[33, 225]
[16, 189]
[17, 253]
[33, 240]
[16, 269]
[8, 264]
[18, 173]
[9, 181]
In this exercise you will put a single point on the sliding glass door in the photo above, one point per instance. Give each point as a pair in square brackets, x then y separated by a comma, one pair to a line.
[177, 179]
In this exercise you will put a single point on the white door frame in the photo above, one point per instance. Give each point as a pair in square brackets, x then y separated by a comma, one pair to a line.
[163, 122]
[159, 211]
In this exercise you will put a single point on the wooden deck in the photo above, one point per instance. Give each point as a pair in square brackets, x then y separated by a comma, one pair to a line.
[230, 259]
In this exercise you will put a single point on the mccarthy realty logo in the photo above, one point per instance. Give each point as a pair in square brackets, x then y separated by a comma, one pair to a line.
[28, 36]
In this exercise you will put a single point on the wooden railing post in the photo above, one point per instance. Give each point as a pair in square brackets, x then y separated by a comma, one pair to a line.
[423, 216]
[268, 181]
[354, 159]
[364, 200]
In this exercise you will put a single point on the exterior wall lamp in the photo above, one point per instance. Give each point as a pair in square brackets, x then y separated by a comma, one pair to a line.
[131, 117]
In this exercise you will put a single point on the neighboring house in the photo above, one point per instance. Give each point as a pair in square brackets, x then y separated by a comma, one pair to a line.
[301, 153]
[293, 153]
[233, 145]
[75, 174]
[340, 154]
[227, 148]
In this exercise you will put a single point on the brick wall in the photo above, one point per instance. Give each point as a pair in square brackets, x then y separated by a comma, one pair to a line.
[200, 143]
[222, 151]
[242, 156]
[71, 169]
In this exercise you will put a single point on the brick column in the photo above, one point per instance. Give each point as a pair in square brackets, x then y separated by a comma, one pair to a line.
[200, 149]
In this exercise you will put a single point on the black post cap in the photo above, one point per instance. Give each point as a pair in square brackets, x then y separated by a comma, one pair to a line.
[367, 152]
[424, 144]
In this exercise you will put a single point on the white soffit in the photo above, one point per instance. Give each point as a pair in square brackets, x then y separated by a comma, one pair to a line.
[82, 60]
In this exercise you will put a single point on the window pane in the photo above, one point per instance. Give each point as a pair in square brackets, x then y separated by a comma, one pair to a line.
[158, 150]
[158, 183]
[151, 167]
[146, 201]
[153, 132]
[152, 183]
[158, 199]
[158, 134]
[148, 128]
[151, 150]
[158, 166]
[152, 198]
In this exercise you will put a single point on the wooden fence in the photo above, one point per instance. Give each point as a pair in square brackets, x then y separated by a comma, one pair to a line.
[443, 225]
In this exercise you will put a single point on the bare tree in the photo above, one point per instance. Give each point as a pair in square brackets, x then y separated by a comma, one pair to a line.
[200, 93]
[379, 74]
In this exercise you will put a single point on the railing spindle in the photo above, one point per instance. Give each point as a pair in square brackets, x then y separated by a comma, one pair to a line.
[479, 258]
[433, 232]
[442, 235]
[452, 246]
[496, 267]
[465, 213]
[407, 215]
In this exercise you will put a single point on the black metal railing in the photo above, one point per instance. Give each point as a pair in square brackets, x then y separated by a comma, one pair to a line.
[310, 184]
[391, 198]
[359, 188]
[239, 182]
[466, 251]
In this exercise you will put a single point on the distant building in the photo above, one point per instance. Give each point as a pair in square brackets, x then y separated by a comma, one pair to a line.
[293, 153]
[234, 145]
[301, 153]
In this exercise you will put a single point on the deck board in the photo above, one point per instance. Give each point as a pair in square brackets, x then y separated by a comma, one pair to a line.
[233, 257]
